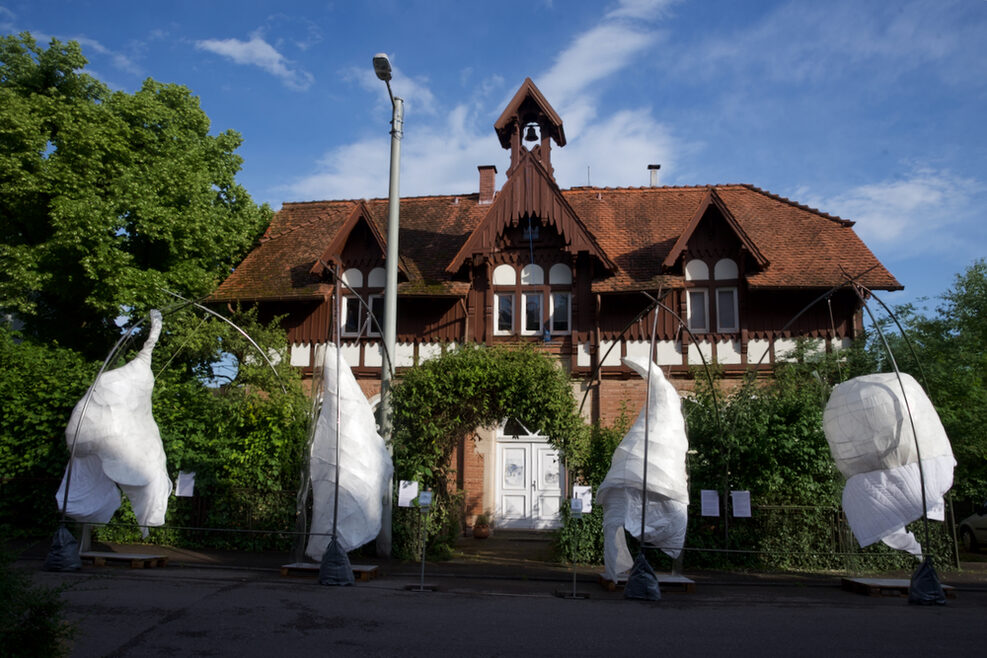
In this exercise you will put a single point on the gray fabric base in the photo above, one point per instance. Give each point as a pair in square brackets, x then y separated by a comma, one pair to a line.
[64, 552]
[925, 588]
[642, 583]
[335, 568]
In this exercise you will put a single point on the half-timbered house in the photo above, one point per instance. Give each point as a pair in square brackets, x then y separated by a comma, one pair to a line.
[573, 271]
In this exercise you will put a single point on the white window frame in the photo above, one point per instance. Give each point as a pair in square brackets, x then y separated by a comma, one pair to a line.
[372, 329]
[525, 331]
[344, 330]
[496, 314]
[568, 308]
[689, 312]
[720, 327]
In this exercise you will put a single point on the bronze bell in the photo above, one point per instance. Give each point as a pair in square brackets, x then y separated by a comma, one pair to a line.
[531, 136]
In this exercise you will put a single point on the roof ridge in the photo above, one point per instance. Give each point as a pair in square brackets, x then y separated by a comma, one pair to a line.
[800, 206]
[295, 227]
[596, 188]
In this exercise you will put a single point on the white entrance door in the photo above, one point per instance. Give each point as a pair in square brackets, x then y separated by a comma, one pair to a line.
[529, 493]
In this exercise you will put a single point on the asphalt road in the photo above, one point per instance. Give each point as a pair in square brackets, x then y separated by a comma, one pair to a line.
[182, 611]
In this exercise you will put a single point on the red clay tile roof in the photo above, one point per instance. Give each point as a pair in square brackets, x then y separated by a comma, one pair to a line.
[635, 227]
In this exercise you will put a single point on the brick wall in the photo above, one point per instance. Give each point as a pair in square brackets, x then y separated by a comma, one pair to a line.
[472, 478]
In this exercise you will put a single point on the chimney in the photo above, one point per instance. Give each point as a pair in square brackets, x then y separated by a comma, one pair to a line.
[488, 175]
[653, 168]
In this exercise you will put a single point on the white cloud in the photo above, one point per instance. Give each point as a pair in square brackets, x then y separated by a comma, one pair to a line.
[441, 156]
[591, 58]
[6, 17]
[257, 52]
[617, 151]
[436, 159]
[926, 211]
[414, 91]
[804, 41]
[119, 60]
[89, 46]
[642, 9]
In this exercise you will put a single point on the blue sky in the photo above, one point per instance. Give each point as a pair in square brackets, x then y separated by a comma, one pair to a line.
[870, 110]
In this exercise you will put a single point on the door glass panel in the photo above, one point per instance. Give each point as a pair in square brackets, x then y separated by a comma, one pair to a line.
[548, 470]
[514, 471]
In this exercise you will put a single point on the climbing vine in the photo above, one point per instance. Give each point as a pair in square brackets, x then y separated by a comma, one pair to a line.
[441, 402]
[445, 399]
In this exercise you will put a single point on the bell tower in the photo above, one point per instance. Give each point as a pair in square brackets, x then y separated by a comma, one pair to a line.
[530, 118]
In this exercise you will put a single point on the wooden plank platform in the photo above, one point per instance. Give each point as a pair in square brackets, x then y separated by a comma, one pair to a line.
[885, 587]
[667, 582]
[361, 572]
[135, 560]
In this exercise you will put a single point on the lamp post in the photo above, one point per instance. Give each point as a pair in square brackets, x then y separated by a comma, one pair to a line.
[382, 67]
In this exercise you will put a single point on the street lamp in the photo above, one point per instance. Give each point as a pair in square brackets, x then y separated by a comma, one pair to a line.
[382, 67]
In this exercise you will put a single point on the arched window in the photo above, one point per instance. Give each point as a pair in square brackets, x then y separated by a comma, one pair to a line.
[725, 268]
[358, 320]
[529, 306]
[696, 270]
[504, 275]
[532, 275]
[710, 308]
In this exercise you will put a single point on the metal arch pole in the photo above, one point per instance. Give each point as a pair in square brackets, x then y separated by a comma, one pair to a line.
[911, 421]
[390, 307]
[338, 419]
[647, 427]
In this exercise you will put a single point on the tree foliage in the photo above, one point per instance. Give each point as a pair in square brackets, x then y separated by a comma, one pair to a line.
[107, 197]
[950, 343]
[39, 385]
[442, 401]
[32, 618]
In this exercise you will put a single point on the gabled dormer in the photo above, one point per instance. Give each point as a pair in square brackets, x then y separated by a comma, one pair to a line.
[713, 233]
[529, 118]
[530, 200]
[358, 244]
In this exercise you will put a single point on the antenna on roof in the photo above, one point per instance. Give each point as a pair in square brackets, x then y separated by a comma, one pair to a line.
[588, 184]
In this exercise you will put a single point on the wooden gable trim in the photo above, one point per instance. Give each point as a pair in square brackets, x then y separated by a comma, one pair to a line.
[504, 123]
[711, 198]
[530, 191]
[333, 252]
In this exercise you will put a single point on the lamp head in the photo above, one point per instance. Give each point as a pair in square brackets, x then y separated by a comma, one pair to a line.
[382, 67]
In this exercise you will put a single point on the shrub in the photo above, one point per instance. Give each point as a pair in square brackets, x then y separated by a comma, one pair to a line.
[31, 618]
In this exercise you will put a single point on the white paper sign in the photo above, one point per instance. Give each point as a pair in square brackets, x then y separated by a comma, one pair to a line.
[710, 502]
[185, 484]
[585, 494]
[425, 499]
[407, 491]
[741, 503]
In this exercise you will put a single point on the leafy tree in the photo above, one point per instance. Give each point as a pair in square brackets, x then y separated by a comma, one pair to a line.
[39, 385]
[32, 618]
[442, 401]
[949, 343]
[108, 197]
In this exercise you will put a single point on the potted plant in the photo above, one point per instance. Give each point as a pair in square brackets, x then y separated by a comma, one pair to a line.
[481, 527]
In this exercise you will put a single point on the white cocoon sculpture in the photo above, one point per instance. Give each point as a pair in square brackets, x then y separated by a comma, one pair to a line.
[364, 465]
[667, 501]
[116, 442]
[870, 435]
